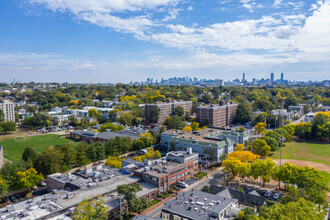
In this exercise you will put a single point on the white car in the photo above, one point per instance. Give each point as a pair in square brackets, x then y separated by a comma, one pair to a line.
[276, 196]
[268, 194]
[183, 184]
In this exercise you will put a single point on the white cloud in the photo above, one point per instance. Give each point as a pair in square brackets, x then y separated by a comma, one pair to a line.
[277, 3]
[190, 8]
[250, 5]
[172, 14]
[102, 12]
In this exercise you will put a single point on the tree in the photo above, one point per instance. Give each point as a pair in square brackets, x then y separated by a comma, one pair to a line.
[242, 114]
[2, 116]
[243, 170]
[260, 128]
[239, 147]
[136, 121]
[261, 118]
[261, 147]
[187, 128]
[81, 154]
[195, 126]
[287, 173]
[206, 189]
[3, 186]
[129, 192]
[112, 116]
[8, 126]
[28, 179]
[92, 113]
[179, 111]
[93, 209]
[73, 121]
[271, 142]
[263, 169]
[230, 165]
[301, 209]
[291, 101]
[126, 118]
[244, 156]
[247, 213]
[29, 155]
[154, 114]
[9, 171]
[157, 155]
[174, 122]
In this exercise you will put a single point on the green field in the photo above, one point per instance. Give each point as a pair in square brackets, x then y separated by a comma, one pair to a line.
[305, 151]
[14, 148]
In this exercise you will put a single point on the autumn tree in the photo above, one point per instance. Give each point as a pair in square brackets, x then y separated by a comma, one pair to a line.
[239, 147]
[262, 169]
[244, 156]
[93, 209]
[230, 165]
[28, 179]
[3, 186]
[260, 128]
[129, 192]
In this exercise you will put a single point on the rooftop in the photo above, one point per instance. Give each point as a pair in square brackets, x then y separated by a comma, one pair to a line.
[198, 205]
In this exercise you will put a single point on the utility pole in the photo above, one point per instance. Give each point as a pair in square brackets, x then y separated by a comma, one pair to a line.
[120, 207]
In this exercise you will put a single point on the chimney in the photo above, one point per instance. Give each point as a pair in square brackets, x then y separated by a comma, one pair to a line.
[189, 150]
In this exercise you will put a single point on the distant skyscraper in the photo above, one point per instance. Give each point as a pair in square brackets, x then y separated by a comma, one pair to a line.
[243, 80]
[272, 77]
[282, 77]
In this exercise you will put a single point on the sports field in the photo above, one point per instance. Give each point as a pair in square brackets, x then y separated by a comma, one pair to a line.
[305, 151]
[14, 148]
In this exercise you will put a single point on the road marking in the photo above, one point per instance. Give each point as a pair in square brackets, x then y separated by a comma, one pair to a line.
[156, 214]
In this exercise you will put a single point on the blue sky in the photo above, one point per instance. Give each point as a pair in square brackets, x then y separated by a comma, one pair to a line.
[130, 40]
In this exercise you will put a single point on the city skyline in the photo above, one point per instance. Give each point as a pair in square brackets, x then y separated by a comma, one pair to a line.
[124, 41]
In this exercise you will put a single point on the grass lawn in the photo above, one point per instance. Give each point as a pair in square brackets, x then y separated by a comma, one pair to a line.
[201, 174]
[305, 151]
[14, 148]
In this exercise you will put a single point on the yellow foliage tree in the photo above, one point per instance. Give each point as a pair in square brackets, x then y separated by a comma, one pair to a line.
[244, 156]
[148, 136]
[28, 179]
[157, 155]
[230, 165]
[187, 128]
[114, 162]
[239, 147]
[260, 128]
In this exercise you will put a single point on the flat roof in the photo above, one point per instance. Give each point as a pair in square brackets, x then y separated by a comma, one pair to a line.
[198, 205]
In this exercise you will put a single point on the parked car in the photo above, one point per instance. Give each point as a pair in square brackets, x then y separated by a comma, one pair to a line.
[183, 184]
[267, 194]
[12, 199]
[276, 196]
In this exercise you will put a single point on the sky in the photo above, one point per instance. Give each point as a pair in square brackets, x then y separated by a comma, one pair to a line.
[101, 41]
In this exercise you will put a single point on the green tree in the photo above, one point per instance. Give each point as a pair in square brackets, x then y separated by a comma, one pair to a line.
[112, 116]
[243, 170]
[8, 126]
[154, 114]
[261, 147]
[9, 171]
[264, 169]
[29, 155]
[230, 165]
[243, 114]
[3, 186]
[174, 122]
[271, 142]
[179, 111]
[81, 153]
[299, 210]
[206, 189]
[126, 118]
[2, 116]
[129, 192]
[94, 209]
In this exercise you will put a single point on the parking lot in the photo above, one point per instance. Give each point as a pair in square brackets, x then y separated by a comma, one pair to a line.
[269, 194]
[55, 128]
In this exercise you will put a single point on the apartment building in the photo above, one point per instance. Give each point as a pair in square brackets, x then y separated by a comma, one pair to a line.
[217, 115]
[8, 109]
[166, 109]
[176, 166]
[210, 144]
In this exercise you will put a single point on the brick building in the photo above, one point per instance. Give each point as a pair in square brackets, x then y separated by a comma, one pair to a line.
[217, 115]
[166, 109]
[176, 166]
